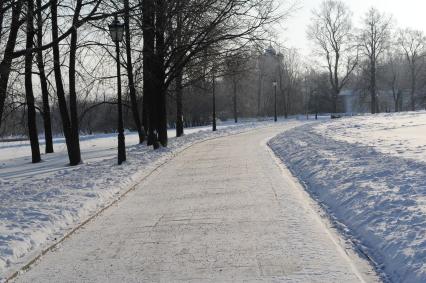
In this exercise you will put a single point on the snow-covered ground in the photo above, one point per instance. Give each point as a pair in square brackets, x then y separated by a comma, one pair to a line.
[39, 203]
[369, 173]
[401, 135]
[222, 211]
[13, 150]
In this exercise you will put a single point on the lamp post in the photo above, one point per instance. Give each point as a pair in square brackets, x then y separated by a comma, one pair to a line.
[214, 99]
[116, 30]
[274, 84]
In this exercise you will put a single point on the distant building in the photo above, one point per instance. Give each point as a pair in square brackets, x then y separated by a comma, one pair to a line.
[270, 51]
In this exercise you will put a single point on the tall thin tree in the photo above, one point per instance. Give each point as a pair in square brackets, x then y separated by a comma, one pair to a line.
[374, 40]
[331, 31]
[413, 45]
[160, 70]
[29, 94]
[6, 63]
[72, 147]
[130, 76]
[149, 101]
[43, 83]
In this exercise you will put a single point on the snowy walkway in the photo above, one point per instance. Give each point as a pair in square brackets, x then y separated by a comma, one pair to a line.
[220, 211]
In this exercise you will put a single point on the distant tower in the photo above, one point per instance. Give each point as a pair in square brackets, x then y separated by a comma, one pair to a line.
[270, 51]
[268, 63]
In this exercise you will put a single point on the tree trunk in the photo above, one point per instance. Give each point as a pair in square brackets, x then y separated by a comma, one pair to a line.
[1, 19]
[288, 102]
[396, 105]
[282, 93]
[129, 67]
[334, 100]
[179, 77]
[8, 54]
[162, 120]
[72, 147]
[75, 139]
[43, 83]
[145, 123]
[373, 91]
[235, 101]
[413, 89]
[29, 95]
[179, 106]
[148, 16]
[214, 101]
[336, 82]
[316, 106]
[259, 93]
[161, 72]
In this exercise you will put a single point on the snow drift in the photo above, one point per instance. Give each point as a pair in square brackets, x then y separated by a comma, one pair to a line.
[370, 175]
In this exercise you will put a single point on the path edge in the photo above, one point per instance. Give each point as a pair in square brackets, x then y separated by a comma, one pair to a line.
[341, 240]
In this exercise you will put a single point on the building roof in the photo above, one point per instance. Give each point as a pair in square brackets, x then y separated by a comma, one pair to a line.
[270, 51]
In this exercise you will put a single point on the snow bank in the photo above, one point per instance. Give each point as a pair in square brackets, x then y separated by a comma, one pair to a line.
[39, 203]
[370, 175]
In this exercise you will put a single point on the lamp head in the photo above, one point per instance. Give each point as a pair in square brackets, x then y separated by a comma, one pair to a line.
[116, 30]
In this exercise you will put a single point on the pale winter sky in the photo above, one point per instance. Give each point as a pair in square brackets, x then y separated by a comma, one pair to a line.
[406, 13]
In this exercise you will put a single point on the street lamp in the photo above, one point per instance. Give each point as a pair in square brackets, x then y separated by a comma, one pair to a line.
[214, 99]
[274, 84]
[116, 30]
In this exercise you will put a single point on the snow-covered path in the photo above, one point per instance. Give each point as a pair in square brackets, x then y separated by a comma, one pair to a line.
[220, 211]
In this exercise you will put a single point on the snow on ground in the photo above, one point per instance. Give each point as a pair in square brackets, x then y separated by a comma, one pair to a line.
[15, 149]
[402, 135]
[369, 173]
[39, 203]
[222, 211]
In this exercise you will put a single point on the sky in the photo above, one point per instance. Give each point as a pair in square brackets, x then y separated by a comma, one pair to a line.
[406, 13]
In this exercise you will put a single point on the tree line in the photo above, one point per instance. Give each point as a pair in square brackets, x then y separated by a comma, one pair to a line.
[189, 63]
[377, 61]
[56, 60]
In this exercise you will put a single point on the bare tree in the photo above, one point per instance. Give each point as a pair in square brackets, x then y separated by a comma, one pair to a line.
[393, 77]
[29, 94]
[331, 31]
[149, 103]
[1, 18]
[374, 40]
[130, 76]
[236, 67]
[5, 64]
[200, 25]
[64, 43]
[43, 82]
[413, 45]
[71, 137]
[290, 76]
